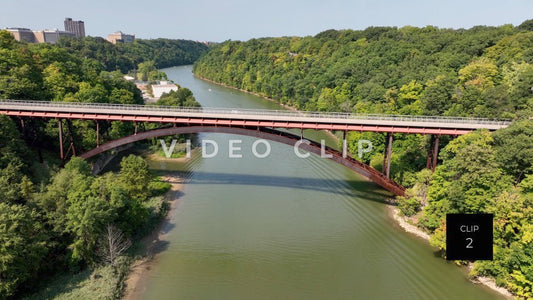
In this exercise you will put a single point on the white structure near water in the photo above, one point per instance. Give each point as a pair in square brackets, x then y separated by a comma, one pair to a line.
[163, 87]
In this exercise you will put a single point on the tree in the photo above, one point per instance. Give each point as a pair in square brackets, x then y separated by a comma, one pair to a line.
[54, 201]
[437, 96]
[467, 178]
[23, 243]
[87, 215]
[90, 93]
[134, 177]
[181, 97]
[480, 73]
[147, 71]
[514, 148]
[113, 244]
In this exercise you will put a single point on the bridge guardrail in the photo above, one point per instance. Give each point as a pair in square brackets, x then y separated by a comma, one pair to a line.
[261, 112]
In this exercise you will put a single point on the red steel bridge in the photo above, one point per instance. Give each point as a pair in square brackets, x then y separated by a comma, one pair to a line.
[257, 123]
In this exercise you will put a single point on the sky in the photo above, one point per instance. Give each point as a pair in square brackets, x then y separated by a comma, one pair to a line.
[217, 21]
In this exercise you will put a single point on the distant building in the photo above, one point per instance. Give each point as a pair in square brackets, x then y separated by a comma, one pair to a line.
[51, 36]
[76, 27]
[37, 36]
[22, 34]
[120, 37]
[163, 87]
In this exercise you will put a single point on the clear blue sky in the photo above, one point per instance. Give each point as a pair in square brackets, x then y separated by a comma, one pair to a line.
[211, 20]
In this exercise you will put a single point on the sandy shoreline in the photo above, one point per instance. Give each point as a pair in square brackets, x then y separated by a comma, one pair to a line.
[408, 227]
[135, 282]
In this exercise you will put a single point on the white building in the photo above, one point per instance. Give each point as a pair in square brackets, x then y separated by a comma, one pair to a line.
[163, 87]
[120, 37]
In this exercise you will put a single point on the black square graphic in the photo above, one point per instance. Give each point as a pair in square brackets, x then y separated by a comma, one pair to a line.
[469, 236]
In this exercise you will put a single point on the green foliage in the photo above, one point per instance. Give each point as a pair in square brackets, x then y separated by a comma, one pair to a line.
[476, 176]
[409, 206]
[468, 176]
[78, 206]
[352, 70]
[134, 177]
[514, 148]
[147, 71]
[102, 283]
[125, 57]
[22, 246]
[74, 206]
[158, 187]
[181, 97]
[15, 185]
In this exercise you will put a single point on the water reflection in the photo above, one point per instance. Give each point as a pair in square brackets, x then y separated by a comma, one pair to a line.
[352, 188]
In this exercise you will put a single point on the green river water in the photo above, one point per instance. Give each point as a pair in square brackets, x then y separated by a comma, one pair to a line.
[284, 227]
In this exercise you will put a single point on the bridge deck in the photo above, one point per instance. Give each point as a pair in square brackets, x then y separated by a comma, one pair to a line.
[250, 117]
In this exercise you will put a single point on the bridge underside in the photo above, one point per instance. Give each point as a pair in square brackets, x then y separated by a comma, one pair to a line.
[261, 133]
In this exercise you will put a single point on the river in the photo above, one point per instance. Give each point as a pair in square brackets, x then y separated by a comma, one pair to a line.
[284, 227]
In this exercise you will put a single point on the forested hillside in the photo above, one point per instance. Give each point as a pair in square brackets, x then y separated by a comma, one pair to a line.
[125, 57]
[478, 72]
[483, 71]
[55, 220]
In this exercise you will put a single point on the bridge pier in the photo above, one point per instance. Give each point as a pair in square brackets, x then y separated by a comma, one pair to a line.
[23, 128]
[387, 154]
[61, 152]
[97, 133]
[22, 124]
[344, 145]
[433, 152]
[71, 136]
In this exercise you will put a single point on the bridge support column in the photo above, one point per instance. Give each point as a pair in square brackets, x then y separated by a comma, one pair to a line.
[136, 128]
[71, 135]
[23, 128]
[387, 155]
[433, 152]
[61, 153]
[97, 134]
[344, 145]
[430, 152]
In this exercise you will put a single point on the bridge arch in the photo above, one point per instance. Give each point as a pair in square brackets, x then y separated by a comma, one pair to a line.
[261, 133]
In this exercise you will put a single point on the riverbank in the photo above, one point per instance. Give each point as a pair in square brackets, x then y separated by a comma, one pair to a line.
[135, 281]
[247, 92]
[404, 223]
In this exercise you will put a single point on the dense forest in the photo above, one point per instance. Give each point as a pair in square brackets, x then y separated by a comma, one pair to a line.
[126, 56]
[479, 72]
[55, 219]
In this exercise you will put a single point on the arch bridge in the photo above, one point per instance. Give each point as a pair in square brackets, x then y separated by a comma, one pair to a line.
[255, 123]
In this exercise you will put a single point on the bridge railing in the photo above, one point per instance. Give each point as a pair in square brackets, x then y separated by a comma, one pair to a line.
[257, 112]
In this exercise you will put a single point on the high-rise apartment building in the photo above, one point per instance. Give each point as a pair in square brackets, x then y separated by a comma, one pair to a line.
[76, 27]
